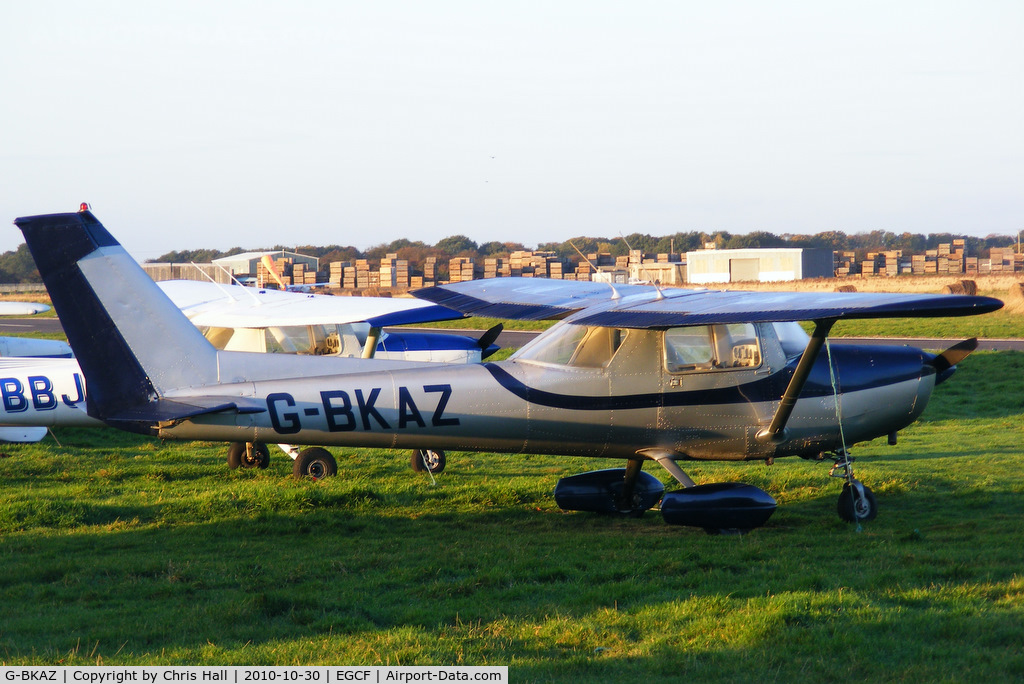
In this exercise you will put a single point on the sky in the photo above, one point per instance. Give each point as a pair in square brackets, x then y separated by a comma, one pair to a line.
[214, 124]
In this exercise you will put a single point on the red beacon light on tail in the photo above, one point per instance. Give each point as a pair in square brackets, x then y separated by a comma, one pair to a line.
[84, 206]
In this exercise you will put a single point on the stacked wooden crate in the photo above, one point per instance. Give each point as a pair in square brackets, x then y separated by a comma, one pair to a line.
[846, 263]
[363, 270]
[584, 270]
[394, 272]
[870, 265]
[497, 267]
[958, 257]
[891, 260]
[430, 271]
[999, 260]
[336, 273]
[460, 269]
[303, 275]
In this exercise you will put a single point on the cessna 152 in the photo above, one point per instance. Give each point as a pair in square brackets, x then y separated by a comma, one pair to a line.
[632, 373]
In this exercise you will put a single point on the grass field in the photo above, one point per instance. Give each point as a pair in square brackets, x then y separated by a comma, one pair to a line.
[116, 549]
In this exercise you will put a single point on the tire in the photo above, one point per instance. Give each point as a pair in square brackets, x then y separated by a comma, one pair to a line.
[316, 463]
[853, 508]
[242, 455]
[428, 460]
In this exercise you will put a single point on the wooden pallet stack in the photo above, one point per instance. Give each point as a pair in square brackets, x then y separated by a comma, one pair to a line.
[394, 272]
[497, 267]
[460, 269]
[846, 264]
[430, 271]
[367, 274]
[336, 271]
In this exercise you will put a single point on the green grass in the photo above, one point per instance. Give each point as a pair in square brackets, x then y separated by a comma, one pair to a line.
[998, 324]
[121, 550]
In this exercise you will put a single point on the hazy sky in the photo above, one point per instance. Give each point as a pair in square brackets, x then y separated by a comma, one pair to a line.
[216, 124]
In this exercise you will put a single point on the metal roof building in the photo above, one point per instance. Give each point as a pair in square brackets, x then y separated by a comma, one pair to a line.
[247, 263]
[709, 266]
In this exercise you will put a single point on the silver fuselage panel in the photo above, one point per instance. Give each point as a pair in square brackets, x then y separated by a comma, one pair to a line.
[599, 407]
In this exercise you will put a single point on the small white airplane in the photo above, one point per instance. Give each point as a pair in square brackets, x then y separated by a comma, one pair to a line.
[27, 346]
[22, 308]
[631, 373]
[236, 318]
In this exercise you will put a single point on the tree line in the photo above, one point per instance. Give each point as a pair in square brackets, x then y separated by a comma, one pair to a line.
[17, 266]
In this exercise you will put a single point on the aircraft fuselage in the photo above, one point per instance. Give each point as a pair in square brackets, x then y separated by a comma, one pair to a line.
[524, 406]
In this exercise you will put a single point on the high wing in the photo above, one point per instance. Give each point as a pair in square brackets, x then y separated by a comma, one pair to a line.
[234, 306]
[527, 299]
[645, 306]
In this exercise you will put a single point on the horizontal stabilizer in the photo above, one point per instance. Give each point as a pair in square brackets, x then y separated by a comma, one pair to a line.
[165, 410]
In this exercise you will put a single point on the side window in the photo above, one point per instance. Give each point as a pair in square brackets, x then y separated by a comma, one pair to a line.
[288, 339]
[739, 345]
[689, 348]
[708, 347]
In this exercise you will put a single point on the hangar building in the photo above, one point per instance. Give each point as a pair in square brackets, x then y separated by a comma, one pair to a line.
[709, 266]
[247, 263]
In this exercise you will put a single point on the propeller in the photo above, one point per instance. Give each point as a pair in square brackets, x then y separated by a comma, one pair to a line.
[944, 362]
[487, 339]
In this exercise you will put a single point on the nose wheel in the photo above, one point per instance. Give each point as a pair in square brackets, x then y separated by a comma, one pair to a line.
[856, 502]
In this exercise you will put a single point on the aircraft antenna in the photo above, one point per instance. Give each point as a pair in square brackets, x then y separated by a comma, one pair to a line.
[654, 282]
[219, 285]
[615, 293]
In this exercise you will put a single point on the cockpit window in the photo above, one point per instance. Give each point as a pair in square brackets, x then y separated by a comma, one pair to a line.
[575, 345]
[708, 347]
[328, 340]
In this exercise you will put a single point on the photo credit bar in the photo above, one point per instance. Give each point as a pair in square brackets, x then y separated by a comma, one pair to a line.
[254, 675]
[342, 674]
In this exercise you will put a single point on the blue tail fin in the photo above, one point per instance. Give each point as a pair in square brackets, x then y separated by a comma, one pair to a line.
[132, 343]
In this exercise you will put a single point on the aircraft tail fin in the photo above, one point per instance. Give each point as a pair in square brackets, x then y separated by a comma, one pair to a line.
[132, 342]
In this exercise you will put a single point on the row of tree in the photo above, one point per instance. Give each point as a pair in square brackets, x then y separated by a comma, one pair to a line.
[460, 245]
[18, 267]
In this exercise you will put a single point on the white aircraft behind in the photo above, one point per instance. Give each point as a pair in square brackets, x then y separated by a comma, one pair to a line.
[27, 346]
[22, 308]
[236, 318]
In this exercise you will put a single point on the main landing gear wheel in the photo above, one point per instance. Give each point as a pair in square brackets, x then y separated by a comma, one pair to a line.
[248, 455]
[427, 461]
[314, 462]
[857, 503]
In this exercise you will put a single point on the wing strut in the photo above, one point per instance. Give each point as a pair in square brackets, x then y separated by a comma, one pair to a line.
[776, 431]
[370, 346]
